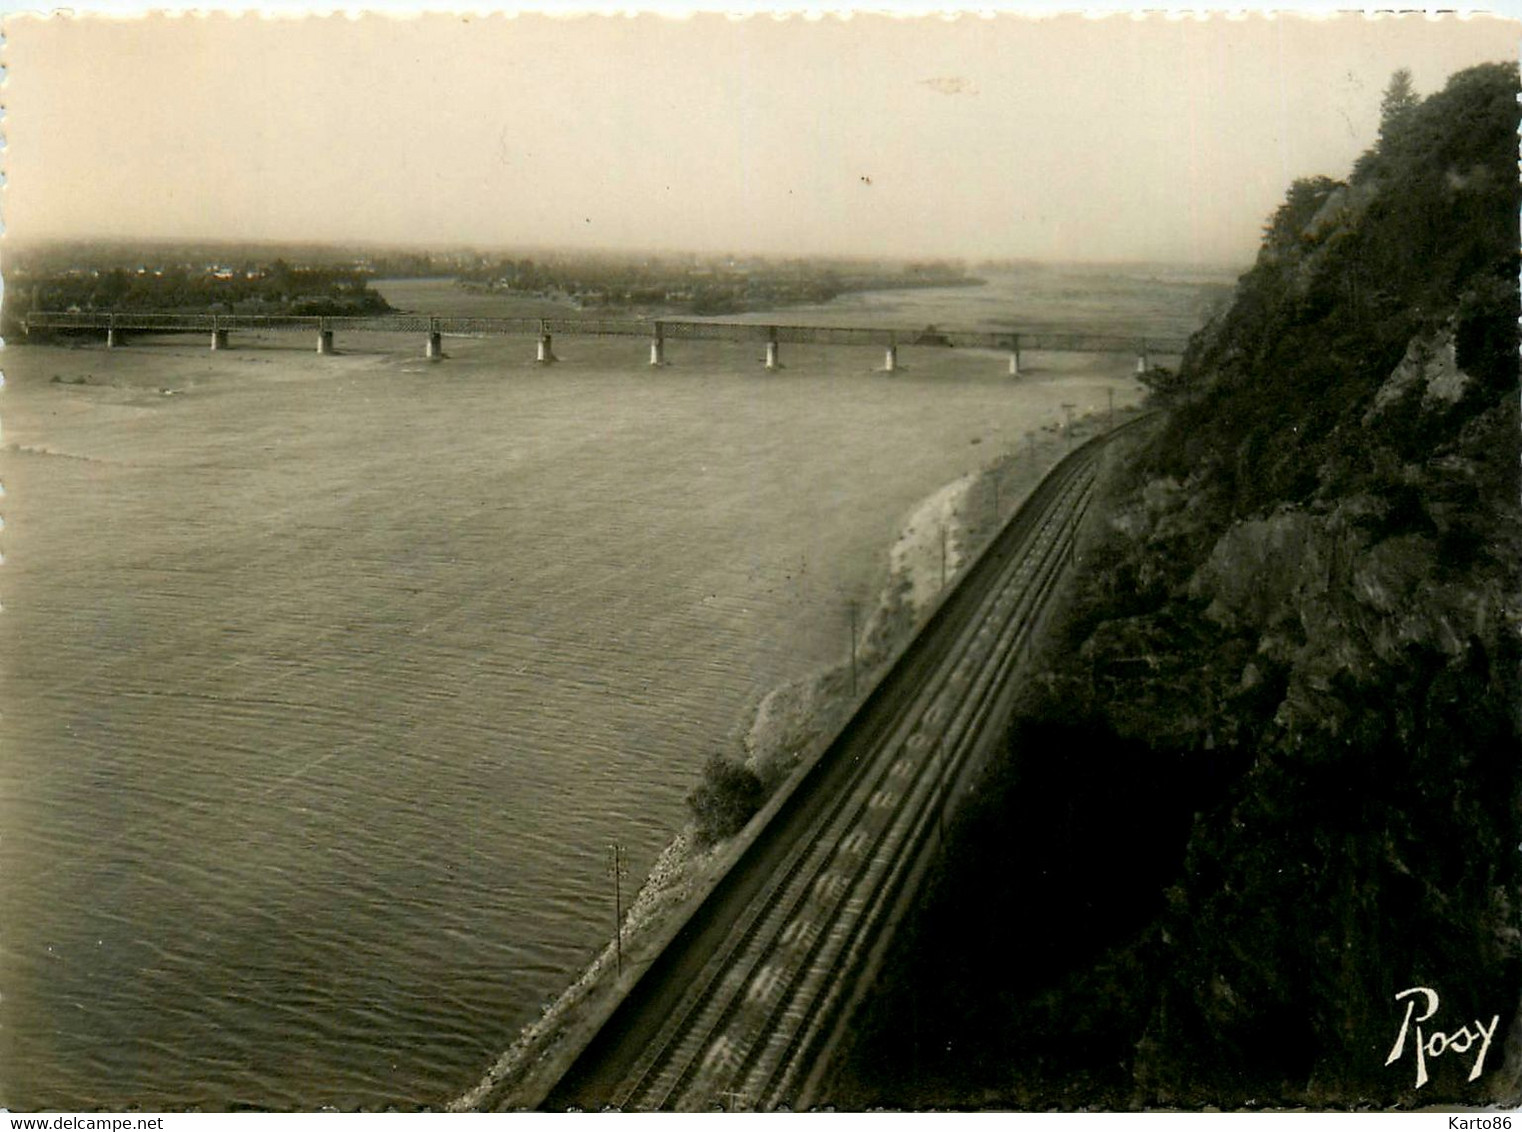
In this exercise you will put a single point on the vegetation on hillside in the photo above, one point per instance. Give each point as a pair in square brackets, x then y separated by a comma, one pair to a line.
[1270, 777]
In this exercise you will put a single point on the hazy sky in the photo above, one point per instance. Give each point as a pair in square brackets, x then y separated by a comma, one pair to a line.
[1064, 138]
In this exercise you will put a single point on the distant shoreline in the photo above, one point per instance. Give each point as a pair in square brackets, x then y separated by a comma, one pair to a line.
[689, 311]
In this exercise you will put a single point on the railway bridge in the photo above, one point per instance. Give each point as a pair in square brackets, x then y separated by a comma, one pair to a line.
[753, 992]
[117, 326]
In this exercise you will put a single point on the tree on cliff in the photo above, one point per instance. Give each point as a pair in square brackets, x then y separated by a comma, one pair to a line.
[1395, 107]
[1304, 199]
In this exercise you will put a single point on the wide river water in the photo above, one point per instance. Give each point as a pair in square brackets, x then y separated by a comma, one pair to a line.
[327, 681]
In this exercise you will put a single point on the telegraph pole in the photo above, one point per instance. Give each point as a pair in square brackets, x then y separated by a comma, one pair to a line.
[852, 607]
[1112, 408]
[943, 556]
[618, 865]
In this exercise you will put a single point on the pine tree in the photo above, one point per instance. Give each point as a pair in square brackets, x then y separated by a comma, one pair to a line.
[1395, 107]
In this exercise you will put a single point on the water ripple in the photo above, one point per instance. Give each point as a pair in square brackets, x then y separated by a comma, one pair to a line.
[320, 708]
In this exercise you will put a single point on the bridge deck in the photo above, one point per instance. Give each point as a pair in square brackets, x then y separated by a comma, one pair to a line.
[672, 329]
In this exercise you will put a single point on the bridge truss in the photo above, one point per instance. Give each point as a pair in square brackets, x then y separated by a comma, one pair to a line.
[116, 323]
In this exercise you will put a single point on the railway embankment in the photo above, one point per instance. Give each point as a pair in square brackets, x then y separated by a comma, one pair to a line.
[789, 731]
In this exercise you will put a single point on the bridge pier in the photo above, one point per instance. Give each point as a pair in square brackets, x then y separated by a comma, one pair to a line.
[120, 327]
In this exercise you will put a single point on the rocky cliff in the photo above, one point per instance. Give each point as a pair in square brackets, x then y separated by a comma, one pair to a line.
[1269, 778]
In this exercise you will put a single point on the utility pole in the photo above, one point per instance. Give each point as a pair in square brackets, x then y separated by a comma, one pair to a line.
[943, 556]
[618, 865]
[1112, 408]
[852, 607]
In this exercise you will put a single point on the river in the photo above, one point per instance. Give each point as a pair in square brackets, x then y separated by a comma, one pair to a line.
[327, 681]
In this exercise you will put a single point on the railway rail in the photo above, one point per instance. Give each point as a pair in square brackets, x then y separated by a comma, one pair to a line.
[745, 1010]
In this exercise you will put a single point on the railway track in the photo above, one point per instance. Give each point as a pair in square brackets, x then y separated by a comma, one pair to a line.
[746, 1011]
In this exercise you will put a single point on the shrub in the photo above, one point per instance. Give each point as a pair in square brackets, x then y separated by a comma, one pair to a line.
[726, 798]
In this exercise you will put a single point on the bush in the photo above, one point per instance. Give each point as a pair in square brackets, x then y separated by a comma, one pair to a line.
[726, 798]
